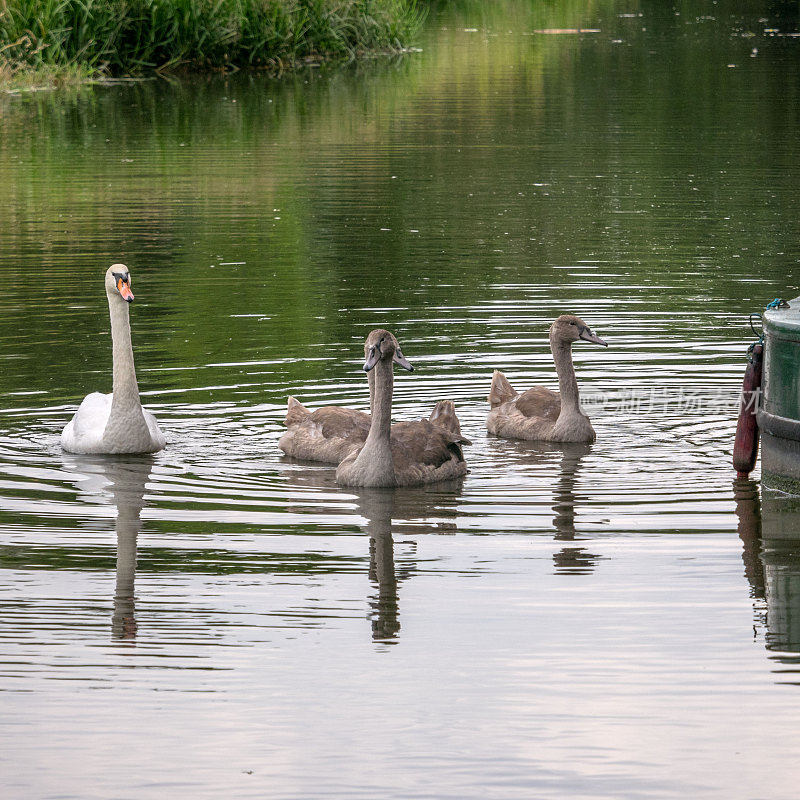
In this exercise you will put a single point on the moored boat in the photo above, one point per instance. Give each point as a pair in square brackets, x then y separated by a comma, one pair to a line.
[778, 407]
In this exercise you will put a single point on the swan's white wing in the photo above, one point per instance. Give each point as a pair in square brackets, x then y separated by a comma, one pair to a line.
[84, 432]
[159, 441]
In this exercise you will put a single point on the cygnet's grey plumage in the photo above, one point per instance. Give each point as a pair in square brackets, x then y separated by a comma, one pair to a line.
[540, 414]
[327, 434]
[331, 433]
[408, 453]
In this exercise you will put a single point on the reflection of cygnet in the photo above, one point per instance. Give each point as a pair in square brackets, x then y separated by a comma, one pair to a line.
[124, 481]
[570, 560]
[564, 494]
[411, 511]
[377, 506]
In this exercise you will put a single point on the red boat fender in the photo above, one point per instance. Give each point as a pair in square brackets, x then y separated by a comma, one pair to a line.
[745, 446]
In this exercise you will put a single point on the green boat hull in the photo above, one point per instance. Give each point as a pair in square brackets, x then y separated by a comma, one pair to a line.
[779, 407]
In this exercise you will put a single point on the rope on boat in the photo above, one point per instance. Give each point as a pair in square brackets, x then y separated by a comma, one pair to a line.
[759, 334]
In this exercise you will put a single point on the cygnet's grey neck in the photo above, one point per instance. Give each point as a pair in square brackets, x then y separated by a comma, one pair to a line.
[374, 463]
[381, 401]
[371, 382]
[567, 382]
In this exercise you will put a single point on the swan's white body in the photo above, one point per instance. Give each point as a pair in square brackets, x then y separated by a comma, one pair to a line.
[85, 432]
[116, 422]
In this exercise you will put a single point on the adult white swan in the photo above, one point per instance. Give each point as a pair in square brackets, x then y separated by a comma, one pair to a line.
[116, 422]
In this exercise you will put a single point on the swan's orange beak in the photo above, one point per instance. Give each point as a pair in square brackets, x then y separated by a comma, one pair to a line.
[125, 290]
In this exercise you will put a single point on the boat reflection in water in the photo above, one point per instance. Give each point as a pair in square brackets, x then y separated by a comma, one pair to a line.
[120, 481]
[769, 527]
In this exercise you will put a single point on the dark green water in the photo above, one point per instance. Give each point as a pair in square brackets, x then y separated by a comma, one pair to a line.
[611, 621]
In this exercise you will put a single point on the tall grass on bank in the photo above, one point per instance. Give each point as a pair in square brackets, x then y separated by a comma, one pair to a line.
[128, 36]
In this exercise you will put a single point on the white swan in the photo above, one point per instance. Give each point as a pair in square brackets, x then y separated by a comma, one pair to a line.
[116, 422]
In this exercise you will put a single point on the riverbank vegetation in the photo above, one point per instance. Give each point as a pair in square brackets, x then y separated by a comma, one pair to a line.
[69, 39]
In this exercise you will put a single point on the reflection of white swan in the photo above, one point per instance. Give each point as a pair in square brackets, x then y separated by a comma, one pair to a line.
[124, 480]
[116, 422]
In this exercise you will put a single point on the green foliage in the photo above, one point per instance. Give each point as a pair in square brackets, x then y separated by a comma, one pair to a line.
[124, 36]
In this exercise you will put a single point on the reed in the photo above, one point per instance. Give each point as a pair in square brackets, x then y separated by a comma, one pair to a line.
[117, 37]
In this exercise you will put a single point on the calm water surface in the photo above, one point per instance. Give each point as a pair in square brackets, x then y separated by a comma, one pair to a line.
[615, 620]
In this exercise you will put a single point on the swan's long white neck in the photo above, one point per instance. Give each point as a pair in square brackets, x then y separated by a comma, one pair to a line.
[126, 430]
[125, 389]
[567, 383]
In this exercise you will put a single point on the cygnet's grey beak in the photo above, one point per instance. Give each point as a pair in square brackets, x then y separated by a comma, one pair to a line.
[588, 336]
[373, 357]
[400, 359]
